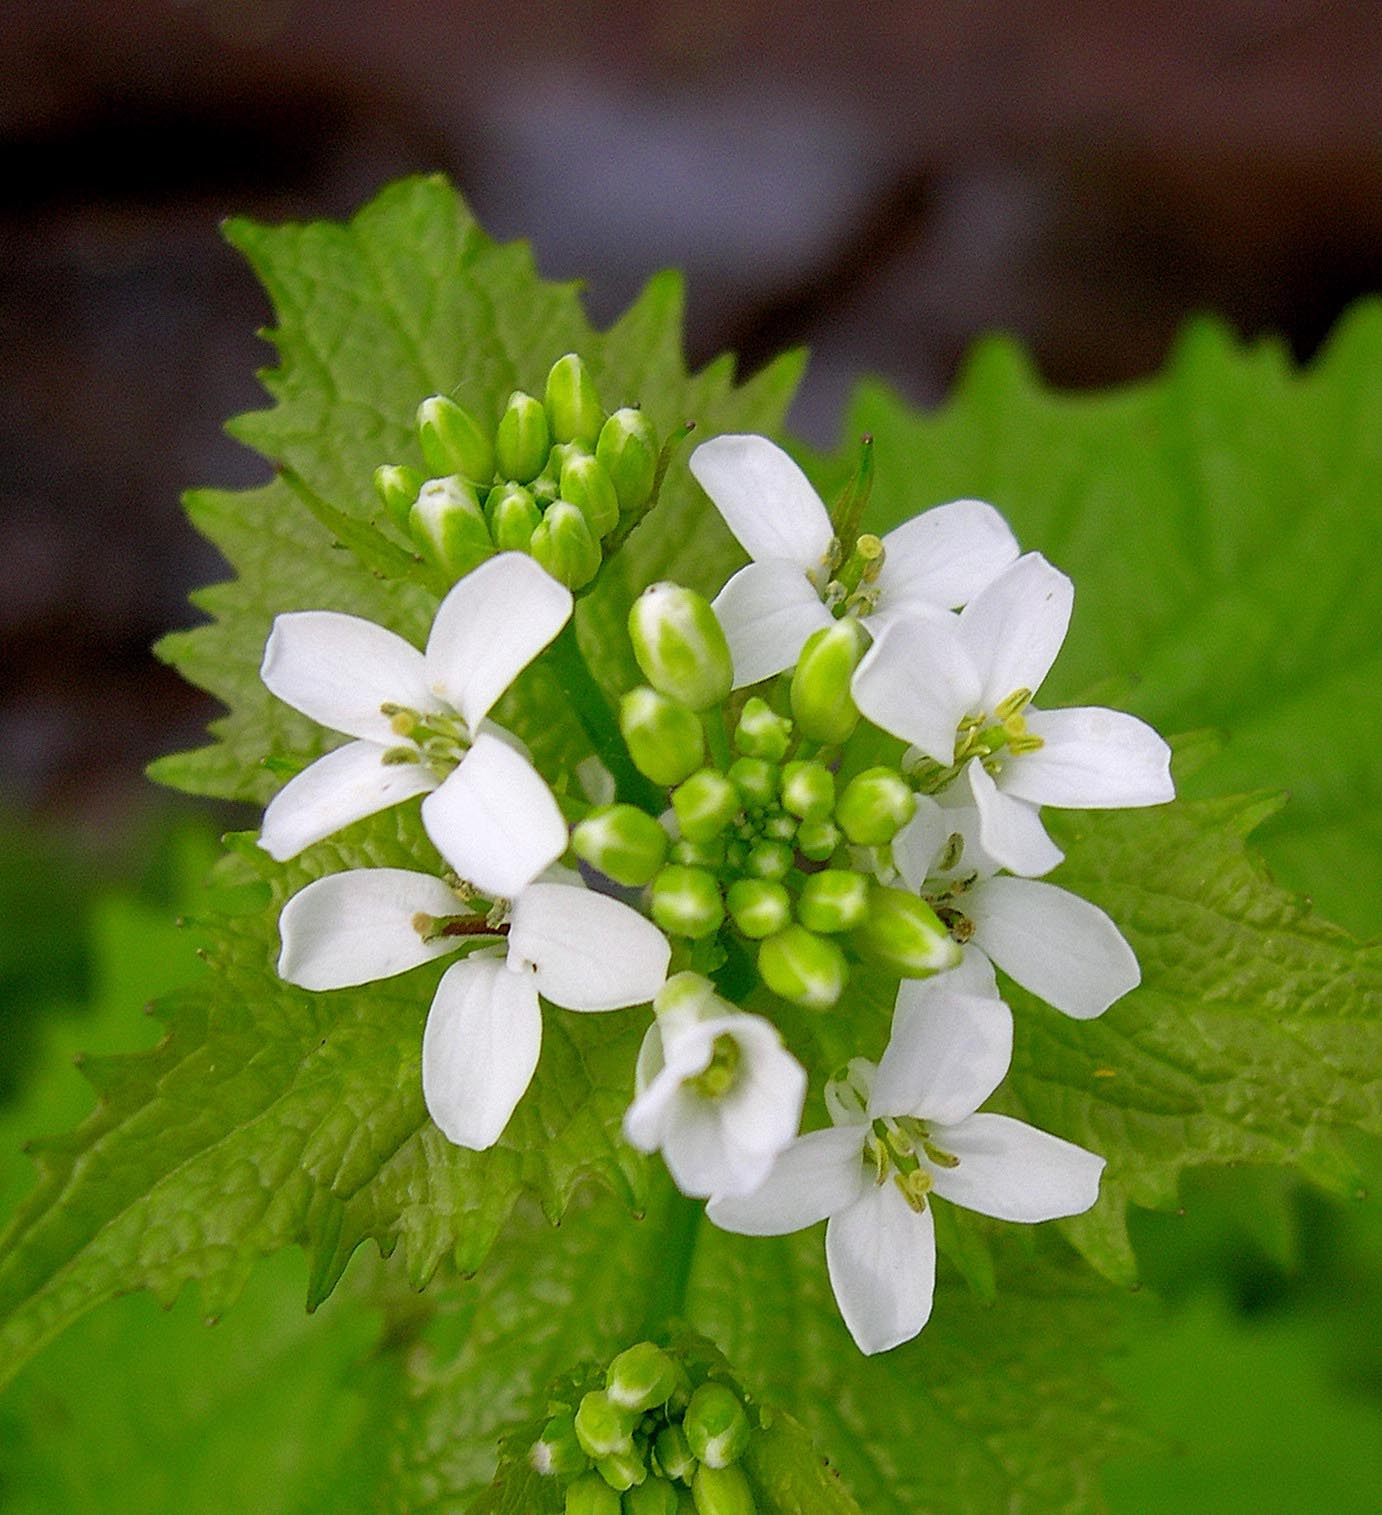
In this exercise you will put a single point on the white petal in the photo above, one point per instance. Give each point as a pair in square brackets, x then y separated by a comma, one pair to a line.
[494, 820]
[765, 499]
[973, 976]
[355, 927]
[768, 610]
[1014, 628]
[1093, 758]
[480, 1049]
[1012, 1171]
[817, 1175]
[700, 1155]
[489, 628]
[944, 557]
[655, 1086]
[1062, 948]
[762, 1112]
[917, 682]
[1010, 830]
[587, 951]
[948, 1052]
[882, 1259]
[340, 669]
[915, 847]
[334, 792]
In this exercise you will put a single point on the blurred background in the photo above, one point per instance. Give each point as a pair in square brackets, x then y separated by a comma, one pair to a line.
[882, 182]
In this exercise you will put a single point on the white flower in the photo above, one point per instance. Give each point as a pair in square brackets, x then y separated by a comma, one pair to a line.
[1058, 945]
[417, 719]
[953, 684]
[904, 1131]
[579, 949]
[715, 1089]
[937, 560]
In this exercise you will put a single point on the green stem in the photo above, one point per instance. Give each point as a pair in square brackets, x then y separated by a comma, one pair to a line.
[714, 722]
[677, 1221]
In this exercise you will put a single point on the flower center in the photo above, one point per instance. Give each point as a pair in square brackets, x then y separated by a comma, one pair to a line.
[991, 737]
[437, 739]
[721, 1073]
[891, 1151]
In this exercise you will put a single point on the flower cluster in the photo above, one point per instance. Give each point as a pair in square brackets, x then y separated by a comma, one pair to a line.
[836, 767]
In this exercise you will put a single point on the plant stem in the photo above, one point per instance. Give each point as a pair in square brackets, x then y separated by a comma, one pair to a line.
[677, 1219]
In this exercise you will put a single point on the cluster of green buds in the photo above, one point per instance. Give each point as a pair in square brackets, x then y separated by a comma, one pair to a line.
[558, 478]
[650, 1442]
[771, 847]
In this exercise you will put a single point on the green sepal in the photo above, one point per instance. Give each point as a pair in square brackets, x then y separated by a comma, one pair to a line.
[716, 1425]
[686, 902]
[705, 804]
[836, 899]
[803, 968]
[680, 645]
[822, 704]
[564, 545]
[664, 738]
[447, 525]
[625, 843]
[397, 487]
[586, 484]
[903, 933]
[627, 450]
[875, 806]
[513, 517]
[522, 439]
[453, 441]
[574, 412]
[759, 907]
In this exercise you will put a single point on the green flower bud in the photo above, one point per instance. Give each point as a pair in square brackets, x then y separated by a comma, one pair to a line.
[686, 994]
[447, 525]
[586, 484]
[557, 1452]
[722, 1491]
[622, 1470]
[806, 969]
[761, 732]
[705, 804]
[453, 441]
[641, 1377]
[623, 842]
[522, 440]
[398, 488]
[781, 828]
[875, 806]
[709, 854]
[513, 517]
[573, 408]
[652, 1498]
[822, 705]
[835, 900]
[755, 779]
[818, 839]
[902, 932]
[768, 860]
[603, 1427]
[562, 543]
[591, 1495]
[759, 907]
[680, 646]
[627, 450]
[673, 1453]
[808, 790]
[664, 739]
[686, 902]
[716, 1425]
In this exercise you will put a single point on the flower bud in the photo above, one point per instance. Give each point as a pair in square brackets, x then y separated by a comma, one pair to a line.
[622, 1470]
[680, 645]
[603, 1427]
[522, 440]
[586, 484]
[902, 932]
[513, 517]
[398, 488]
[686, 996]
[817, 840]
[664, 739]
[705, 804]
[755, 779]
[627, 451]
[591, 1495]
[673, 1453]
[652, 1498]
[722, 1491]
[453, 441]
[781, 828]
[834, 900]
[573, 408]
[822, 705]
[447, 525]
[761, 732]
[716, 1425]
[709, 854]
[641, 1377]
[768, 860]
[562, 543]
[686, 902]
[622, 842]
[558, 1452]
[806, 969]
[759, 907]
[808, 790]
[875, 806]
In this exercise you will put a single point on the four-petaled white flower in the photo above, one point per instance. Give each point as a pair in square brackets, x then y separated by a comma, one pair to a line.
[579, 949]
[957, 685]
[715, 1089]
[935, 561]
[904, 1131]
[419, 724]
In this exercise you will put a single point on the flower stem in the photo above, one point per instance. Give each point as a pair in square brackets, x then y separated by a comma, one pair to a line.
[714, 722]
[677, 1220]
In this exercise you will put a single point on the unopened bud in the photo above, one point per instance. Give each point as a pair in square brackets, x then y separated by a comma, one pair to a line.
[622, 1470]
[716, 1425]
[759, 907]
[603, 1427]
[761, 732]
[652, 1498]
[397, 487]
[641, 1377]
[686, 902]
[453, 441]
[591, 1495]
[574, 412]
[768, 860]
[557, 1452]
[722, 1491]
[447, 525]
[822, 704]
[523, 439]
[680, 645]
[818, 840]
[710, 854]
[664, 738]
[622, 842]
[834, 900]
[808, 790]
[902, 932]
[564, 546]
[781, 828]
[586, 484]
[513, 517]
[673, 1453]
[627, 450]
[803, 968]
[705, 804]
[875, 806]
[686, 996]
[755, 779]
